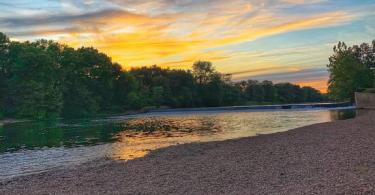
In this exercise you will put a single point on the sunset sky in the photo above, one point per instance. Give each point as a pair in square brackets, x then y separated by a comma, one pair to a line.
[278, 40]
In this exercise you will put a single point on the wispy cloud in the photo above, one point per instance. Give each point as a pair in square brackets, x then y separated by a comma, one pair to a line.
[302, 1]
[175, 33]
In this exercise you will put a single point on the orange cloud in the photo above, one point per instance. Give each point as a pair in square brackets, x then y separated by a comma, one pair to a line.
[148, 40]
[323, 20]
[136, 33]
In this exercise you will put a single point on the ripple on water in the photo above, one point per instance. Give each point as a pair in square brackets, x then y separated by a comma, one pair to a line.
[32, 147]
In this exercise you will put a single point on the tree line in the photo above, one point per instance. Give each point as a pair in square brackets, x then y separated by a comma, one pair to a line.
[45, 79]
[352, 69]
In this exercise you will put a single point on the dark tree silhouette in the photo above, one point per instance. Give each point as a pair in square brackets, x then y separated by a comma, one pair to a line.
[45, 79]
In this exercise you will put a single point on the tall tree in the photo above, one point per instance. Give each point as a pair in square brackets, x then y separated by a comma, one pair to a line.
[311, 95]
[78, 100]
[254, 91]
[125, 84]
[98, 72]
[270, 94]
[33, 82]
[350, 70]
[212, 93]
[4, 51]
[202, 71]
[287, 92]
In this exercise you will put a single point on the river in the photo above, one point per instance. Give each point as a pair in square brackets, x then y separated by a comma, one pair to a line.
[31, 147]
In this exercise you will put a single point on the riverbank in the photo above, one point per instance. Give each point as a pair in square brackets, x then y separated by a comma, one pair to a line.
[325, 158]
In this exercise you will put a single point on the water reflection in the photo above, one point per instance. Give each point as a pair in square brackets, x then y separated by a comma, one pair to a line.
[343, 114]
[33, 147]
[147, 134]
[36, 135]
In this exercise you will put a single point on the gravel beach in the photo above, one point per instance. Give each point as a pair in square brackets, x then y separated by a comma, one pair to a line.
[327, 158]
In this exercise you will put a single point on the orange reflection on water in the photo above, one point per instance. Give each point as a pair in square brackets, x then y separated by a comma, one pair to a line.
[142, 135]
[146, 134]
[138, 145]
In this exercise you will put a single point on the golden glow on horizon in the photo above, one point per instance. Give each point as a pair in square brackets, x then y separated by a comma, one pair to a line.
[175, 34]
[320, 85]
[154, 44]
[150, 44]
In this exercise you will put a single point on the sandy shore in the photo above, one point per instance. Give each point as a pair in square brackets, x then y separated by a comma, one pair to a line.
[328, 158]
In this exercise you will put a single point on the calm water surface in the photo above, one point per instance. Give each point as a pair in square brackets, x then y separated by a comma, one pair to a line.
[32, 147]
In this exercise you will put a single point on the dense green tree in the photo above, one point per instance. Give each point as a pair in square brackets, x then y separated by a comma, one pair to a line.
[125, 86]
[136, 100]
[232, 95]
[185, 98]
[365, 53]
[312, 95]
[202, 71]
[213, 92]
[178, 85]
[351, 69]
[157, 95]
[270, 93]
[287, 92]
[33, 84]
[4, 51]
[78, 100]
[254, 91]
[98, 73]
[45, 79]
[182, 88]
